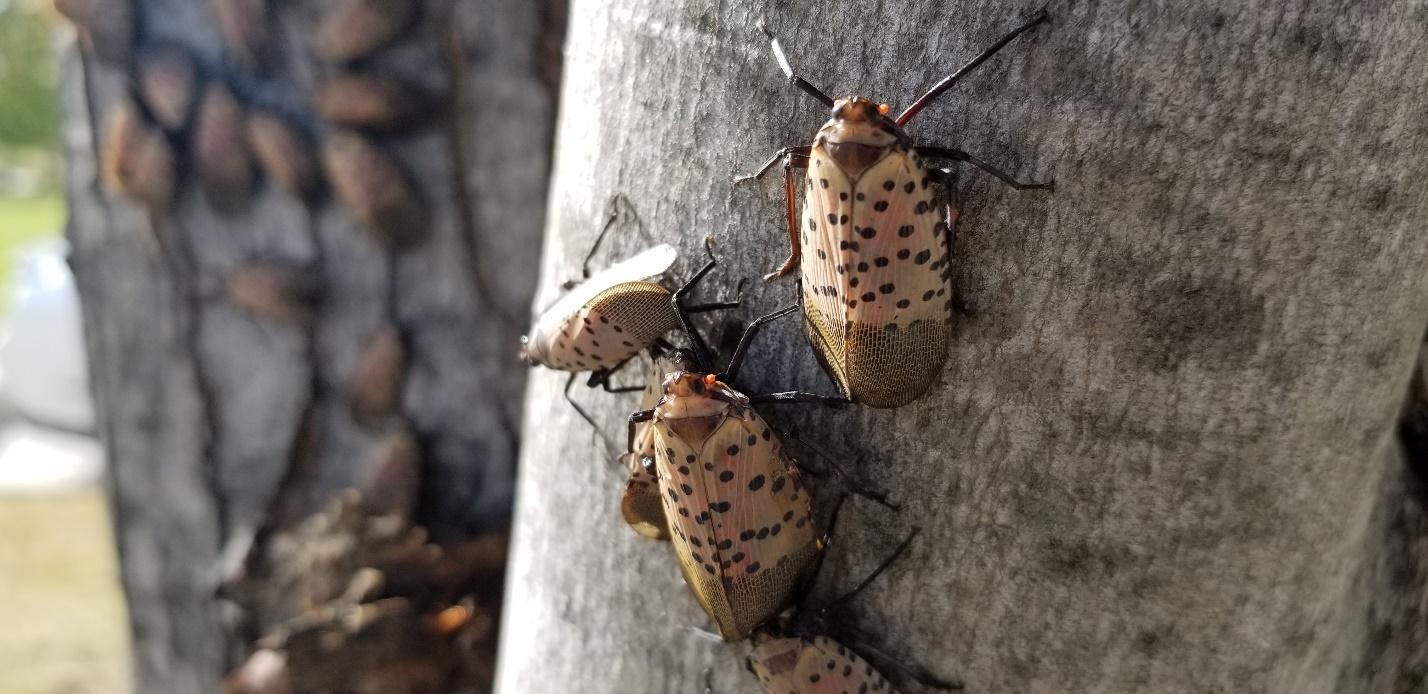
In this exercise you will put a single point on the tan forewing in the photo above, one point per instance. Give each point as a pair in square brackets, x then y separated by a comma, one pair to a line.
[828, 667]
[828, 202]
[899, 300]
[612, 327]
[752, 537]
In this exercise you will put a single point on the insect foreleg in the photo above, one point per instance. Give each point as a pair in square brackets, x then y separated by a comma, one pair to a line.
[609, 445]
[949, 154]
[637, 418]
[947, 178]
[867, 580]
[800, 150]
[701, 348]
[732, 370]
[790, 197]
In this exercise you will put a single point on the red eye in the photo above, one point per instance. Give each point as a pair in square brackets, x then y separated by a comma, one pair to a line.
[709, 379]
[883, 109]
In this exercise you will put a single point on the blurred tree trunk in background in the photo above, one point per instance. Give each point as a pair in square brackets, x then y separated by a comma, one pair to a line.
[255, 354]
[1163, 454]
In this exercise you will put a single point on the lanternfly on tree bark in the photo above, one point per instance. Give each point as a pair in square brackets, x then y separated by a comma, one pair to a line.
[873, 247]
[610, 316]
[797, 652]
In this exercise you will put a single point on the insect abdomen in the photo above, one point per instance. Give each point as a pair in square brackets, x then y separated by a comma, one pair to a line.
[612, 327]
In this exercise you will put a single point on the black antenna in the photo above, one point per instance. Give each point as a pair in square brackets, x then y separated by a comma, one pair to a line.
[950, 80]
[793, 78]
[701, 348]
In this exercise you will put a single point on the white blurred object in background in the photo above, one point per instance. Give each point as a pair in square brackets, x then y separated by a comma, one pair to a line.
[46, 412]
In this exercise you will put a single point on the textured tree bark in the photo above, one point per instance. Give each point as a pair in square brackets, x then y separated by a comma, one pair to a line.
[1163, 454]
[228, 349]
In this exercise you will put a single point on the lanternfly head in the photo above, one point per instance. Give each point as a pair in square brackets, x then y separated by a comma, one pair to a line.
[858, 109]
[684, 384]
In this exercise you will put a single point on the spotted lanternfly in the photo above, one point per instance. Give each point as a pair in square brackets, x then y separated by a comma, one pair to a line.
[641, 505]
[246, 29]
[220, 150]
[138, 160]
[609, 317]
[794, 655]
[740, 521]
[355, 29]
[874, 244]
[369, 101]
[374, 187]
[606, 319]
[285, 153]
[168, 82]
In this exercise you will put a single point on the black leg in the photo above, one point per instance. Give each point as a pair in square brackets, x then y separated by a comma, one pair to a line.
[947, 178]
[609, 445]
[617, 202]
[950, 154]
[602, 378]
[875, 496]
[701, 348]
[802, 84]
[781, 155]
[637, 418]
[950, 80]
[823, 543]
[721, 305]
[867, 580]
[790, 198]
[789, 396]
[732, 370]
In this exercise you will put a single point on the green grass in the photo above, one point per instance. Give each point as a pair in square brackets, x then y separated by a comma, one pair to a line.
[65, 631]
[23, 220]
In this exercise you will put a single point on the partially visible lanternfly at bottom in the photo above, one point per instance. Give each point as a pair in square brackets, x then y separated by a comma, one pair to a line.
[795, 656]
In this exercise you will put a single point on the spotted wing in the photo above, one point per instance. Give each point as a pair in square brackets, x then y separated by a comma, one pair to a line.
[753, 538]
[612, 327]
[827, 247]
[900, 302]
[828, 667]
[640, 505]
[548, 327]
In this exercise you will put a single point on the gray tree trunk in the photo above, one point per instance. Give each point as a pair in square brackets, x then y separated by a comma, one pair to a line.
[1163, 454]
[227, 412]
